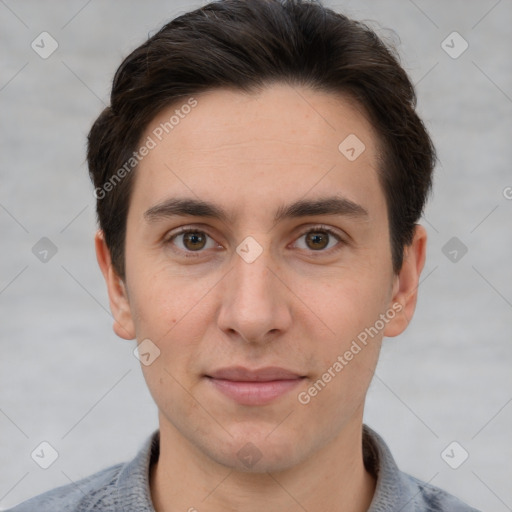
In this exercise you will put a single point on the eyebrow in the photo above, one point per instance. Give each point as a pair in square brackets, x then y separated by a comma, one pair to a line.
[302, 208]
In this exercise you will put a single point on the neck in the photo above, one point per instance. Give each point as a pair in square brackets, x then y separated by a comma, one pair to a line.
[334, 478]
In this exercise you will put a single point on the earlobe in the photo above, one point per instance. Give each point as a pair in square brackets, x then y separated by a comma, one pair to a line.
[405, 286]
[119, 304]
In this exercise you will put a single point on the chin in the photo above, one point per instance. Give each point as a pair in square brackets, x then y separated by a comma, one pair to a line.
[259, 452]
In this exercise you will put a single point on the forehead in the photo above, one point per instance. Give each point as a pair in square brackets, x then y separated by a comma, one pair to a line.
[281, 141]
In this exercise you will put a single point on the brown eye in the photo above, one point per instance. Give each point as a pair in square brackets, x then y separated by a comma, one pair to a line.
[191, 242]
[194, 241]
[317, 240]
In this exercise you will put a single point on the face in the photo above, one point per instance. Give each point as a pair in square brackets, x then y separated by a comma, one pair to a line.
[258, 310]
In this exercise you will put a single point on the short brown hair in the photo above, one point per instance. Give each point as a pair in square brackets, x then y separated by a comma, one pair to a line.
[245, 45]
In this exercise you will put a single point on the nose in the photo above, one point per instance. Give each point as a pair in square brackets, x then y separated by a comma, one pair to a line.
[255, 304]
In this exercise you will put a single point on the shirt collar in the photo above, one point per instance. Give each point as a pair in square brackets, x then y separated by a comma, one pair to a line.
[392, 492]
[133, 491]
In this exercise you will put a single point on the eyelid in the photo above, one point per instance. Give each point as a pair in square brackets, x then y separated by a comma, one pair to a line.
[189, 228]
[323, 227]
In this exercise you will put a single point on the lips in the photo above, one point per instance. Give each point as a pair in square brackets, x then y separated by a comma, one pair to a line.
[240, 374]
[254, 387]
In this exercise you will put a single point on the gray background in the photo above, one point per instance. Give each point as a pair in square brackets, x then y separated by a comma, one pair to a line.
[64, 376]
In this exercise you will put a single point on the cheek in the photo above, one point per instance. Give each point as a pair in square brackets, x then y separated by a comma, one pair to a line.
[353, 304]
[346, 358]
[348, 355]
[174, 313]
[163, 300]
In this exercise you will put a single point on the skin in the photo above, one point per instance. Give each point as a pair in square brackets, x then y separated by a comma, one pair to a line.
[296, 306]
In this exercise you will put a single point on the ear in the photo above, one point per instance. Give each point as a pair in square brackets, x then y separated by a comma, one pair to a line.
[119, 304]
[405, 285]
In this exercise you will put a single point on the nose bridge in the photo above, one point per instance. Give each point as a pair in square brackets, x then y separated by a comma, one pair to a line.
[252, 304]
[253, 284]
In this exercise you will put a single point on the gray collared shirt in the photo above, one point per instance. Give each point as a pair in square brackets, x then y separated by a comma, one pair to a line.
[125, 487]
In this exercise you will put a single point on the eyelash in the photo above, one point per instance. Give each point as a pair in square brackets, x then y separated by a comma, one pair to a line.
[319, 227]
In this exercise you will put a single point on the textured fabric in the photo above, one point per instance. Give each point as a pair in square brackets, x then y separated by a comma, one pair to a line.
[125, 487]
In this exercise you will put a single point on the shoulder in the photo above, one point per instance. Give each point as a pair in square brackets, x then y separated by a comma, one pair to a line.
[429, 498]
[120, 488]
[95, 492]
[396, 490]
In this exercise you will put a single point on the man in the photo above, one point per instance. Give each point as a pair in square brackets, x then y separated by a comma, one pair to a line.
[259, 175]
